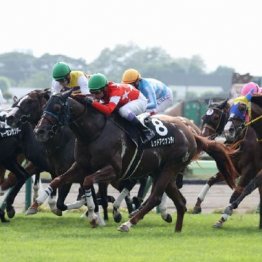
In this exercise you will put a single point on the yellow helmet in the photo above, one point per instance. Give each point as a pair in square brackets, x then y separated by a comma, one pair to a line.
[130, 76]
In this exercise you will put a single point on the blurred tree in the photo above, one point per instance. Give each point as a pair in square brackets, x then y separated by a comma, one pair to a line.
[4, 87]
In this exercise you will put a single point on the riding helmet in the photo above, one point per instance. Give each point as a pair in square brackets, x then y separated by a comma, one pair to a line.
[131, 75]
[97, 81]
[60, 70]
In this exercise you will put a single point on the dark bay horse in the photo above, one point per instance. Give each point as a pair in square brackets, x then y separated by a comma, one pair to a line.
[245, 116]
[212, 126]
[59, 150]
[14, 142]
[104, 152]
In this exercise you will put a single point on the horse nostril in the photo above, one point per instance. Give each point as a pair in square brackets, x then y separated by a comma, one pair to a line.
[231, 130]
[39, 131]
[10, 120]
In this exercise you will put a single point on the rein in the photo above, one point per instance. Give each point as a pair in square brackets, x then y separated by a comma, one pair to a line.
[254, 120]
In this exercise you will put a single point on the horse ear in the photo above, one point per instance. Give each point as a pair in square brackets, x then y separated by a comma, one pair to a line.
[15, 99]
[223, 104]
[47, 94]
[210, 102]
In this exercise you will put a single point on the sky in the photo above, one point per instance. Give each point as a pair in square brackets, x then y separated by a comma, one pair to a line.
[222, 32]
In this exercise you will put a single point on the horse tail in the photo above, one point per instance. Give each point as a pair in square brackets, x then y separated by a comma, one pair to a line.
[220, 153]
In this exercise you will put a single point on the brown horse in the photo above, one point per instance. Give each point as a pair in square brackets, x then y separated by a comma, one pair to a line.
[239, 122]
[214, 121]
[104, 152]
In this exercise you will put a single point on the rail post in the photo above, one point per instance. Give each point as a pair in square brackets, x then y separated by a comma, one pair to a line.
[28, 193]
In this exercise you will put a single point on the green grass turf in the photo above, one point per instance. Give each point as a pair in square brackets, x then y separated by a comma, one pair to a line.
[45, 237]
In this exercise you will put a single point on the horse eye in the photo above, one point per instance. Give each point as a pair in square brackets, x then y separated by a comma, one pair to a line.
[29, 102]
[215, 117]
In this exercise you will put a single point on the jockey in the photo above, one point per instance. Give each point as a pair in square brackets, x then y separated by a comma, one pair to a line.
[65, 79]
[159, 96]
[250, 87]
[128, 100]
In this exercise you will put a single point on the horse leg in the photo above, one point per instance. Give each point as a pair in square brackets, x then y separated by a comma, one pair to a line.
[163, 209]
[260, 206]
[200, 198]
[145, 183]
[180, 203]
[68, 177]
[105, 174]
[92, 214]
[21, 176]
[159, 186]
[125, 187]
[252, 185]
[104, 198]
[58, 206]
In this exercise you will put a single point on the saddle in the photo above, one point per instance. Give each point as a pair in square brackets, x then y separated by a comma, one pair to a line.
[163, 135]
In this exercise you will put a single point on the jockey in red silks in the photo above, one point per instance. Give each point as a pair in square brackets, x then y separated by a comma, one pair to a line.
[129, 101]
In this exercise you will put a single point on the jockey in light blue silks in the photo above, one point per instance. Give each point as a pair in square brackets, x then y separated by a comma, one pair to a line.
[159, 96]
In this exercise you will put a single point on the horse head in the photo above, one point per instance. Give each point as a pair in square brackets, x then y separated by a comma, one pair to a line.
[238, 116]
[215, 118]
[55, 115]
[28, 108]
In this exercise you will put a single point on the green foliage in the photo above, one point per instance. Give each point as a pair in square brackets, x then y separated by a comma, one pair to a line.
[44, 237]
[23, 69]
[4, 84]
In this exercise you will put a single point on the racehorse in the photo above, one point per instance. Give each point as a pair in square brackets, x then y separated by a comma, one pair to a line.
[59, 149]
[245, 116]
[215, 118]
[104, 152]
[13, 142]
[213, 123]
[245, 142]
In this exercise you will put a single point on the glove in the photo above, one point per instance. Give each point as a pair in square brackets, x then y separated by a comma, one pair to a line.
[89, 101]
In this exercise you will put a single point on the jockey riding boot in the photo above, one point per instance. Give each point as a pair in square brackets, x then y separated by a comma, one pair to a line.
[147, 133]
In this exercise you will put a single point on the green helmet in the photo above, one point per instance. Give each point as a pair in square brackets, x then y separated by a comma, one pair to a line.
[60, 70]
[97, 81]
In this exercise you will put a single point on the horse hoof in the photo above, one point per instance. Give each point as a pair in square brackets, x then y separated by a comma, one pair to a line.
[2, 217]
[218, 224]
[123, 228]
[117, 217]
[10, 212]
[57, 212]
[31, 211]
[93, 223]
[197, 210]
[168, 218]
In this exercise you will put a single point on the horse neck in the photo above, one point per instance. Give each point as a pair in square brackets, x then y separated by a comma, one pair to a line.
[86, 122]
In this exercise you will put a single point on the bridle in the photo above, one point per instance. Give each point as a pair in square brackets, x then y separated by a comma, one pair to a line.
[216, 128]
